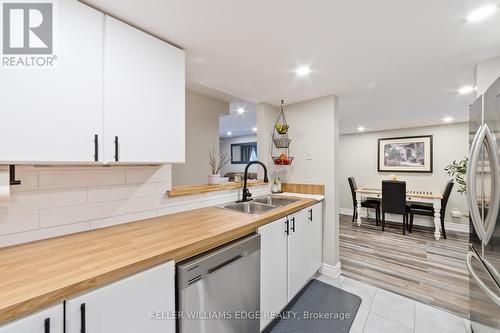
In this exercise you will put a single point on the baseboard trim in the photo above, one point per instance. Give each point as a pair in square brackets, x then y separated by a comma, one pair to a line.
[450, 226]
[330, 271]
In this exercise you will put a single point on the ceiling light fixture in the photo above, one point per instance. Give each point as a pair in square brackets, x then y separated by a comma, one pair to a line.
[240, 110]
[481, 13]
[303, 71]
[466, 90]
[229, 133]
[361, 128]
[254, 129]
[447, 119]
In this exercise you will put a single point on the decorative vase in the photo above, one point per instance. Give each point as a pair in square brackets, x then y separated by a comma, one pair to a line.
[213, 179]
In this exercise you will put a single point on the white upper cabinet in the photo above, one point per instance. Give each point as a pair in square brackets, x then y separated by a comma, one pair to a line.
[144, 102]
[49, 320]
[51, 114]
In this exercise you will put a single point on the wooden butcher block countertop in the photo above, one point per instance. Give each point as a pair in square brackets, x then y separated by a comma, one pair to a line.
[37, 274]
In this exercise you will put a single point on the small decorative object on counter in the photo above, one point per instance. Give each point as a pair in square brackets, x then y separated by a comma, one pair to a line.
[216, 165]
[394, 177]
[276, 186]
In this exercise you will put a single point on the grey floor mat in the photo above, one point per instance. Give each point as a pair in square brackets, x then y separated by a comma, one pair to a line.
[337, 306]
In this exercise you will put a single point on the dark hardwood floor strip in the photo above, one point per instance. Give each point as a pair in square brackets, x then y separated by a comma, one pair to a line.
[414, 265]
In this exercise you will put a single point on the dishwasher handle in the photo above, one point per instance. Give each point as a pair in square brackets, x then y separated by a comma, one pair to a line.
[224, 264]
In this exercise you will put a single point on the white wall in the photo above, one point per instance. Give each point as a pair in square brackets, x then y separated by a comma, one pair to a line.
[358, 158]
[314, 132]
[202, 133]
[54, 201]
[225, 146]
[485, 73]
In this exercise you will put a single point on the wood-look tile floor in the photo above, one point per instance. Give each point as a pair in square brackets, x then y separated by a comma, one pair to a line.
[414, 265]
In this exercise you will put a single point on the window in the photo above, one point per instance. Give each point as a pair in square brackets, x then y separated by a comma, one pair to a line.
[242, 153]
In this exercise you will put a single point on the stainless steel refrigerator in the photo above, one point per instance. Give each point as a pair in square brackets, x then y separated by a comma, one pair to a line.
[483, 197]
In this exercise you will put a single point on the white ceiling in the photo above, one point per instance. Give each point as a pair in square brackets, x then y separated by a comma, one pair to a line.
[236, 123]
[393, 63]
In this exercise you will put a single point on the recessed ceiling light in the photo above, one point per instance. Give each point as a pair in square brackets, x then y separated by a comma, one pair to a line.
[481, 13]
[447, 119]
[361, 128]
[240, 110]
[466, 90]
[229, 133]
[303, 71]
[254, 129]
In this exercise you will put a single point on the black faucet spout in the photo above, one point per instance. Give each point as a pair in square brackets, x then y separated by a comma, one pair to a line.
[246, 195]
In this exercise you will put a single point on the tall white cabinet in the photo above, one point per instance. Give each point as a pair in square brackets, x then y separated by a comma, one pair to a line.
[144, 98]
[52, 114]
[291, 253]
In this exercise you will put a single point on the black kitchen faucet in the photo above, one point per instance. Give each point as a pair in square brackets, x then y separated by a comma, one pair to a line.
[246, 195]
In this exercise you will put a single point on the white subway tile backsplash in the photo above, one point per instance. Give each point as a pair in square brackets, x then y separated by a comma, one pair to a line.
[72, 214]
[117, 192]
[24, 201]
[17, 222]
[58, 179]
[54, 201]
[28, 236]
[149, 175]
[109, 221]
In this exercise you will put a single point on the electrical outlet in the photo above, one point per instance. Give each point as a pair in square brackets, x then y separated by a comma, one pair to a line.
[309, 157]
[456, 213]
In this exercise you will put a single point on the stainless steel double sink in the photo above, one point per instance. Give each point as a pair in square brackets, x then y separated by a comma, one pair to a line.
[259, 205]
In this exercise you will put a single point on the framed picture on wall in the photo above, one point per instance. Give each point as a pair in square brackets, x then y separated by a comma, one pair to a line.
[405, 154]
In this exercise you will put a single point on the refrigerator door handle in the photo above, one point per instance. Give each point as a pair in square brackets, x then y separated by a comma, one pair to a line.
[494, 297]
[471, 182]
[491, 218]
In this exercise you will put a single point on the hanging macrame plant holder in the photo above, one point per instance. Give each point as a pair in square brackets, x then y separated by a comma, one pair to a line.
[280, 149]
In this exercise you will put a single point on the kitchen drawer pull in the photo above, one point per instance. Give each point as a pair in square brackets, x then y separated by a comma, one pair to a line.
[96, 147]
[47, 325]
[116, 149]
[82, 318]
[293, 224]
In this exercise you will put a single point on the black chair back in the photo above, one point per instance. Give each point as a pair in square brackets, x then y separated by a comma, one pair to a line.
[446, 196]
[394, 197]
[354, 187]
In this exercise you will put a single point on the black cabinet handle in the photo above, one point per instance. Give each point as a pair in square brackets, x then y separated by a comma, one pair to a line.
[116, 149]
[96, 147]
[82, 318]
[47, 325]
[310, 214]
[293, 224]
[287, 227]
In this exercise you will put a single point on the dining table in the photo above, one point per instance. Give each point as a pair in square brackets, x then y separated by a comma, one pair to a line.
[412, 196]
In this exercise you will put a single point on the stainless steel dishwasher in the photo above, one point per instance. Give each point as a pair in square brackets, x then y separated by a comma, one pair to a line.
[219, 291]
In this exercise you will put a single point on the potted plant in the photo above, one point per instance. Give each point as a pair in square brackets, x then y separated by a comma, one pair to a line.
[216, 164]
[458, 171]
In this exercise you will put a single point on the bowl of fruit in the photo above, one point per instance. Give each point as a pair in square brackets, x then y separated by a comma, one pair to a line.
[282, 160]
[281, 128]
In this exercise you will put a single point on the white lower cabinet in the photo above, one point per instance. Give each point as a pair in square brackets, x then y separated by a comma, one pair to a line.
[273, 272]
[291, 253]
[50, 320]
[143, 302]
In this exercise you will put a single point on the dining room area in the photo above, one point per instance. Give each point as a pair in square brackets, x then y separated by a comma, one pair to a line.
[403, 219]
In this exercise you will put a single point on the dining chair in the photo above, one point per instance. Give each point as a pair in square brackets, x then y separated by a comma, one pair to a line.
[370, 203]
[428, 210]
[394, 200]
